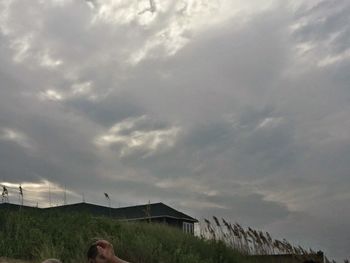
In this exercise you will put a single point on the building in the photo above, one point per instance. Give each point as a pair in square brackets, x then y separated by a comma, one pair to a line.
[156, 212]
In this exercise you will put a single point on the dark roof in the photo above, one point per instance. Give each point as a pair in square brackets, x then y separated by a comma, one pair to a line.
[129, 213]
[155, 210]
[145, 211]
[81, 207]
[10, 206]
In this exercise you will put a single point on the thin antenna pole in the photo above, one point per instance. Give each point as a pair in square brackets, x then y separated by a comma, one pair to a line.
[50, 194]
[83, 197]
[109, 203]
[20, 196]
[110, 208]
[65, 195]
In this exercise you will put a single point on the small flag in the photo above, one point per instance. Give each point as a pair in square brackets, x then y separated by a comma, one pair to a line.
[20, 190]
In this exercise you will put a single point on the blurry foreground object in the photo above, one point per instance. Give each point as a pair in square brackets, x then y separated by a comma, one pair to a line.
[102, 251]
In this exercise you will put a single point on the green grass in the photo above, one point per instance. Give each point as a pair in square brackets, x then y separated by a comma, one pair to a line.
[37, 235]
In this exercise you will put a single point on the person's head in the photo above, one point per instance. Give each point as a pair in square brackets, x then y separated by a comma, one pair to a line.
[92, 253]
[100, 251]
[51, 260]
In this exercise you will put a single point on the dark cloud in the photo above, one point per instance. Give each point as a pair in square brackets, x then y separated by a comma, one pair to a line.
[107, 111]
[248, 209]
[323, 21]
[240, 116]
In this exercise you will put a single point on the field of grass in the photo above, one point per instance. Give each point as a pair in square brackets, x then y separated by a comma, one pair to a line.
[36, 235]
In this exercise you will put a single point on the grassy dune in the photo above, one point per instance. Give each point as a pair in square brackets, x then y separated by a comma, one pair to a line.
[36, 235]
[8, 260]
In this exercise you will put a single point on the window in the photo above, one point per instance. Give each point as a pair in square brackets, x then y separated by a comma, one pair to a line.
[187, 227]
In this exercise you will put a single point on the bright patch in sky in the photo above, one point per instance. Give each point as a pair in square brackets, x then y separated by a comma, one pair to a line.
[131, 139]
[51, 94]
[12, 135]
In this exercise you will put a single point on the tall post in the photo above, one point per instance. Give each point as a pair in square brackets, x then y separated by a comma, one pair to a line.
[21, 195]
[50, 194]
[65, 195]
[109, 204]
[110, 208]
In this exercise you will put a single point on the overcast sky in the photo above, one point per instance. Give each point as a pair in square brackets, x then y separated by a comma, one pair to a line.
[233, 108]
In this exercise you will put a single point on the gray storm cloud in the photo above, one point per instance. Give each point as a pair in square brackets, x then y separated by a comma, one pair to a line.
[230, 108]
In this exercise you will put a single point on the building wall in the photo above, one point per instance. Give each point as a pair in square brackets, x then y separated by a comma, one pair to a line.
[183, 225]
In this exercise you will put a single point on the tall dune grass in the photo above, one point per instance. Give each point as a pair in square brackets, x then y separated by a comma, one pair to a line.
[253, 242]
[36, 235]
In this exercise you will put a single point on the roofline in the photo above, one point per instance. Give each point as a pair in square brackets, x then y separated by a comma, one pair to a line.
[102, 205]
[168, 216]
[18, 205]
[189, 218]
[125, 207]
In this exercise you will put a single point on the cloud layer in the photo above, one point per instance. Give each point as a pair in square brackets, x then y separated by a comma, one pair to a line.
[227, 108]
